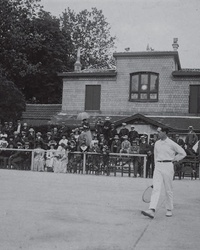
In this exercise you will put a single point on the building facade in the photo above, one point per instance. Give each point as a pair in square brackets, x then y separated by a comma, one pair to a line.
[150, 83]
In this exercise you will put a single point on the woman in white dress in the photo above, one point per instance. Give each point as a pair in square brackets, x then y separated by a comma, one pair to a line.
[61, 159]
[38, 161]
[50, 158]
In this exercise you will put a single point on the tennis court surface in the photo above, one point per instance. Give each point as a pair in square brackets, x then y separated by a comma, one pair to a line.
[41, 210]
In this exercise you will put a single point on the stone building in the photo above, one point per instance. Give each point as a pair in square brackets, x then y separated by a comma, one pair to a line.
[147, 89]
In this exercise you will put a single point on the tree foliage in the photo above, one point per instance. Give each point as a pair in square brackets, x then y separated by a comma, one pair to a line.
[90, 31]
[12, 101]
[34, 45]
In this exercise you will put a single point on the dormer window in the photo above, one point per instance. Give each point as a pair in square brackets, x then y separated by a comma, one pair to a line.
[144, 86]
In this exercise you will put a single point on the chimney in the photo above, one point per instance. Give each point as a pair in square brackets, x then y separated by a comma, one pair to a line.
[77, 65]
[175, 44]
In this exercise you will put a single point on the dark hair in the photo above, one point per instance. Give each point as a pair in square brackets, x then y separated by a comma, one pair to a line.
[166, 130]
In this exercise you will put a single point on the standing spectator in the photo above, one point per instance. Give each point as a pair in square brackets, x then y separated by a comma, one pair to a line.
[25, 128]
[98, 126]
[107, 128]
[38, 161]
[31, 138]
[16, 138]
[39, 140]
[50, 158]
[190, 140]
[10, 128]
[112, 133]
[5, 128]
[18, 126]
[133, 134]
[123, 131]
[134, 149]
[61, 160]
[55, 135]
[26, 155]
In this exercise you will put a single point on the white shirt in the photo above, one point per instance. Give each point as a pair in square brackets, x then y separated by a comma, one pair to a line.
[168, 150]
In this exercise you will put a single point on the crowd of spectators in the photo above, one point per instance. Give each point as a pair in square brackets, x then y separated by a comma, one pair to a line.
[103, 139]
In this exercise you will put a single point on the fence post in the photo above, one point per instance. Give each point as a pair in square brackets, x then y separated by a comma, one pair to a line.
[84, 162]
[145, 165]
[32, 159]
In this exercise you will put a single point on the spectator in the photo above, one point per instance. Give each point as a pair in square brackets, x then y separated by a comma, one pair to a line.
[179, 141]
[39, 140]
[116, 145]
[61, 160]
[107, 128]
[31, 138]
[50, 158]
[123, 131]
[134, 149]
[38, 161]
[98, 126]
[125, 145]
[133, 134]
[16, 159]
[190, 140]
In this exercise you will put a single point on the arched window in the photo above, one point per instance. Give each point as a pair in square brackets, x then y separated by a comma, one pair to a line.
[144, 86]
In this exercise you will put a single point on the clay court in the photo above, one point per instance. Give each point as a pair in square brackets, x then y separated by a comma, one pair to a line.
[46, 211]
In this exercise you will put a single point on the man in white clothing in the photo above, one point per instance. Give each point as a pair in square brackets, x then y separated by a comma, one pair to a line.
[166, 152]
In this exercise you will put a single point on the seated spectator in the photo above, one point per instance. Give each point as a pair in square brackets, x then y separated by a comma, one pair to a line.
[64, 140]
[94, 140]
[116, 145]
[102, 141]
[125, 145]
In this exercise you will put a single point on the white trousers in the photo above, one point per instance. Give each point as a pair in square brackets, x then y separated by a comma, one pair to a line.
[163, 173]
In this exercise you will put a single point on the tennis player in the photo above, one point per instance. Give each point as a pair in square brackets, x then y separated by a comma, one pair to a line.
[166, 152]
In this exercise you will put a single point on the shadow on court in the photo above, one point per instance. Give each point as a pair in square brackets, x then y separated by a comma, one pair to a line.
[85, 212]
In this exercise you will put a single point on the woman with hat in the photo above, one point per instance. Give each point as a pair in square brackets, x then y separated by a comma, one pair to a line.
[38, 161]
[61, 159]
[50, 157]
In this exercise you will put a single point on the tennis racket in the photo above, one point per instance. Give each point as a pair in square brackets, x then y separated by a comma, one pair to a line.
[146, 197]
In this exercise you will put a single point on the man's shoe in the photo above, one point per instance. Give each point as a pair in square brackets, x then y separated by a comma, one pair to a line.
[169, 213]
[150, 213]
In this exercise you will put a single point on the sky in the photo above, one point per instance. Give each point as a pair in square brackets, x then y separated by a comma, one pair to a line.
[138, 23]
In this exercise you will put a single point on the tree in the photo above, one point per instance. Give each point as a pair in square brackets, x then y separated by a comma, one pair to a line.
[90, 31]
[12, 101]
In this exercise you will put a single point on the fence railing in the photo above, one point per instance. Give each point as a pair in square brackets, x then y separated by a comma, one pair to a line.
[110, 163]
[87, 162]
